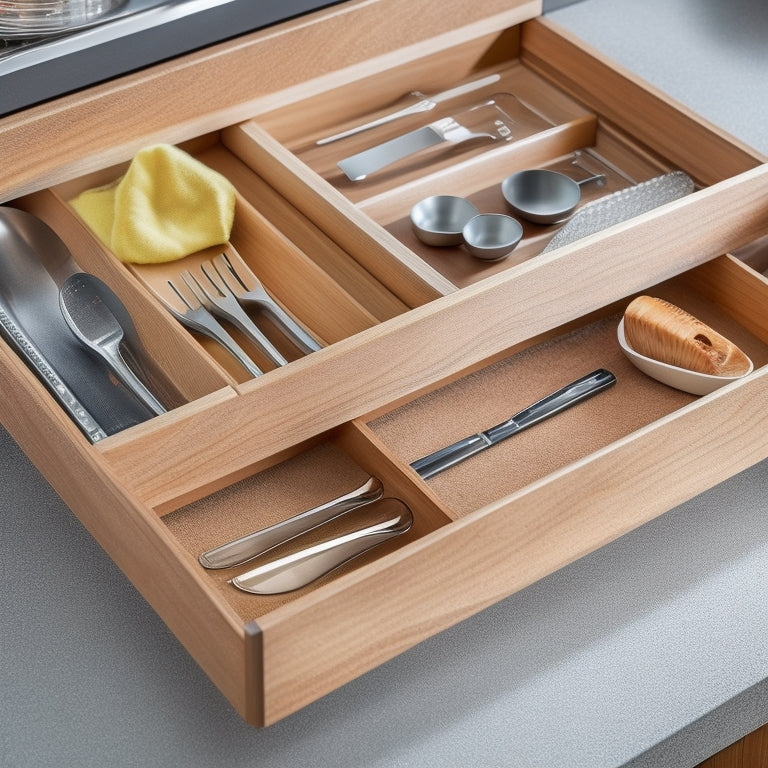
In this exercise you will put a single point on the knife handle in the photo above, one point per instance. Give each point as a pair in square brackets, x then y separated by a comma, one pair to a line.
[443, 458]
[552, 404]
[357, 167]
[257, 543]
[303, 567]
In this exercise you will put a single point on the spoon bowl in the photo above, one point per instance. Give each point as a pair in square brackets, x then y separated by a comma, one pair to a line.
[438, 220]
[543, 196]
[85, 303]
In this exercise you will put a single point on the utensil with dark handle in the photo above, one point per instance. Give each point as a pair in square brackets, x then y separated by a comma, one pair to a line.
[87, 313]
[570, 395]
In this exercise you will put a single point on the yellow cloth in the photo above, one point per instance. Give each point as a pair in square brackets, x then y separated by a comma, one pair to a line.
[167, 206]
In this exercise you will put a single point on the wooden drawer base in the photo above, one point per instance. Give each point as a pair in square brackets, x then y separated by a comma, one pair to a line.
[422, 346]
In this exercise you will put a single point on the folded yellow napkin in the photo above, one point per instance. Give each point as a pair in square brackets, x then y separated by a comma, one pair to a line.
[166, 206]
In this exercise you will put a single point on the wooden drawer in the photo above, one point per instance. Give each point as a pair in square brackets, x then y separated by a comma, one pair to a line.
[422, 346]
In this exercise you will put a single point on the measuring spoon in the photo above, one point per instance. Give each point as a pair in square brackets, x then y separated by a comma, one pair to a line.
[543, 196]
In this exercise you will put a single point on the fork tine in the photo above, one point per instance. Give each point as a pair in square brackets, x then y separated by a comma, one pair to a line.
[226, 271]
[196, 287]
[181, 296]
[199, 319]
[248, 289]
[226, 305]
[219, 284]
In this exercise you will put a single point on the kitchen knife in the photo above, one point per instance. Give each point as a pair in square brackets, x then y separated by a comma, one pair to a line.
[621, 206]
[558, 401]
[423, 105]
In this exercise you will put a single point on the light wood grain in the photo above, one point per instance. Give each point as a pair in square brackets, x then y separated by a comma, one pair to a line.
[383, 256]
[409, 330]
[338, 265]
[77, 134]
[400, 357]
[504, 547]
[653, 118]
[134, 537]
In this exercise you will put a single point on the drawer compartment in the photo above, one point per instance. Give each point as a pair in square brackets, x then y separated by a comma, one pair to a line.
[503, 518]
[421, 346]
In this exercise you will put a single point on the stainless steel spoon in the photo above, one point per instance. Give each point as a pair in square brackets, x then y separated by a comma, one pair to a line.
[301, 568]
[257, 543]
[87, 313]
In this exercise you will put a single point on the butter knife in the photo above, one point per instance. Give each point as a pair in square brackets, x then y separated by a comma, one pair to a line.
[558, 401]
[423, 105]
[303, 567]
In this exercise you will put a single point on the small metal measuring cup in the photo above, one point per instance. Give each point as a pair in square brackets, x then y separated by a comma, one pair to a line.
[543, 196]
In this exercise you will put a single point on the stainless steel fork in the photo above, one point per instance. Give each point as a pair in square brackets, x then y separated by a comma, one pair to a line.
[225, 305]
[198, 318]
[247, 288]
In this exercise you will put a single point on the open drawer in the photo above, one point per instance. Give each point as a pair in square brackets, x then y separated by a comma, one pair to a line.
[420, 346]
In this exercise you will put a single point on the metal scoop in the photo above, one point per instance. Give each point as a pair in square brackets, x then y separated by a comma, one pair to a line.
[543, 196]
[85, 304]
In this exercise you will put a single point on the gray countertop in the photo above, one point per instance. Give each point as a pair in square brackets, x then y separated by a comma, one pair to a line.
[652, 651]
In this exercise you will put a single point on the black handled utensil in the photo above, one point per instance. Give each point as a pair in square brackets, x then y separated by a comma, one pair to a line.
[564, 398]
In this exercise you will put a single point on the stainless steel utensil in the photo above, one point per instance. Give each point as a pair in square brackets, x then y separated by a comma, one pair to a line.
[492, 236]
[621, 206]
[257, 543]
[48, 374]
[198, 318]
[34, 261]
[81, 298]
[301, 568]
[447, 130]
[425, 104]
[243, 284]
[543, 196]
[439, 220]
[224, 304]
[558, 401]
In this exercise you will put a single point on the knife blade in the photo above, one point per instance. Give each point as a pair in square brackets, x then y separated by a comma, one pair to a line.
[565, 397]
[621, 206]
[423, 105]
